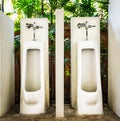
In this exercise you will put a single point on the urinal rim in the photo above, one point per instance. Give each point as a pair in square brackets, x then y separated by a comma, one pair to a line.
[25, 48]
[33, 45]
[41, 82]
[87, 47]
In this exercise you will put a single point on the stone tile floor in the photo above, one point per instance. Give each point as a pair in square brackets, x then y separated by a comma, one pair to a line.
[70, 115]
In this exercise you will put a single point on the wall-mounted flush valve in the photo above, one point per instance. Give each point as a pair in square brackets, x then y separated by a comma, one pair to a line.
[79, 25]
[34, 26]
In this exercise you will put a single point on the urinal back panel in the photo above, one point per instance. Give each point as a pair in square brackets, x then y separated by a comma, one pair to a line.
[42, 36]
[27, 34]
[6, 63]
[79, 34]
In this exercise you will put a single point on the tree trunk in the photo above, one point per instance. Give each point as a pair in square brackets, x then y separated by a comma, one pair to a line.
[2, 5]
[42, 7]
[51, 15]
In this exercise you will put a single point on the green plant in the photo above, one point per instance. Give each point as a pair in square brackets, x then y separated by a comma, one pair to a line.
[29, 8]
[54, 4]
[52, 43]
[67, 57]
[17, 42]
[104, 65]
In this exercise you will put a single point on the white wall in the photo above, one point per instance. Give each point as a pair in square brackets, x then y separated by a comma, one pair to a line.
[6, 63]
[114, 57]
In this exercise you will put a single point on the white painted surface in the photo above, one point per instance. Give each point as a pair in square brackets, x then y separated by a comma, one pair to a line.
[6, 63]
[41, 37]
[32, 80]
[114, 57]
[76, 36]
[89, 94]
[59, 62]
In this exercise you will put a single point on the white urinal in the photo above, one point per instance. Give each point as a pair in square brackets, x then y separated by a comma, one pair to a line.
[32, 79]
[89, 95]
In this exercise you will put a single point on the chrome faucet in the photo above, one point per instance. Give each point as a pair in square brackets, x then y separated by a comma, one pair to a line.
[79, 25]
[34, 26]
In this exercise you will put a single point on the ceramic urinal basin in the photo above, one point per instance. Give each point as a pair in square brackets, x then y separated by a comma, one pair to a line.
[89, 96]
[32, 79]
